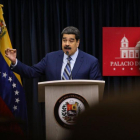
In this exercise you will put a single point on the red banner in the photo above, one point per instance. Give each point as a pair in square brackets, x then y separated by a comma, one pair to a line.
[121, 51]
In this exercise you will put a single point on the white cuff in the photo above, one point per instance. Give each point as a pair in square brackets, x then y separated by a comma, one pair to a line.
[15, 64]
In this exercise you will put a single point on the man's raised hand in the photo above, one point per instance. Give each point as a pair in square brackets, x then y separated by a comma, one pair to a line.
[11, 54]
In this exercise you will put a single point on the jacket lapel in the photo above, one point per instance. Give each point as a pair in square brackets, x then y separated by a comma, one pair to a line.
[59, 63]
[77, 64]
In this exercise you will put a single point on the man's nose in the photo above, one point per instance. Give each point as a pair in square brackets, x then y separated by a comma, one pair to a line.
[67, 43]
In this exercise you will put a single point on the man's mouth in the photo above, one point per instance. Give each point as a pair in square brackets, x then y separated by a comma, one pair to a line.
[67, 48]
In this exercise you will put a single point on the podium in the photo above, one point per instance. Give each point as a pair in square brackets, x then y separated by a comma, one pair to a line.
[59, 94]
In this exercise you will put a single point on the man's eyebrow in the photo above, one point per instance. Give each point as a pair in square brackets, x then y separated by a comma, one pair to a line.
[72, 39]
[69, 39]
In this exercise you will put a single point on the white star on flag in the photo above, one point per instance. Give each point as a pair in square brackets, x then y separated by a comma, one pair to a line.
[4, 74]
[17, 100]
[10, 79]
[14, 85]
[16, 92]
[15, 107]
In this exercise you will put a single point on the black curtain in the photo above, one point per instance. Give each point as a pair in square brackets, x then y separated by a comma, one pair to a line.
[35, 29]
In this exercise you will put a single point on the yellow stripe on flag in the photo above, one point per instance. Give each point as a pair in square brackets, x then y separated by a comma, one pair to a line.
[5, 41]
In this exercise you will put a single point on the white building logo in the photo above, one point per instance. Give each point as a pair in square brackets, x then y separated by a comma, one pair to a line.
[129, 52]
[126, 55]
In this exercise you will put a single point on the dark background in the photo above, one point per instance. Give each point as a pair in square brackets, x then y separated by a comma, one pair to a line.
[35, 29]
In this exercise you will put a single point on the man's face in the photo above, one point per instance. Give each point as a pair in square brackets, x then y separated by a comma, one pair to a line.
[69, 44]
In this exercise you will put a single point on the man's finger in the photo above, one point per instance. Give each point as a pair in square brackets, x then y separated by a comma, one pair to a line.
[6, 51]
[6, 55]
[10, 50]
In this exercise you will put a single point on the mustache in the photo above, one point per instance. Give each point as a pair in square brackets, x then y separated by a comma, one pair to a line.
[67, 47]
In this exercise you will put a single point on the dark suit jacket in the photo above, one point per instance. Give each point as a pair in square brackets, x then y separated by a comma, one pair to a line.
[85, 67]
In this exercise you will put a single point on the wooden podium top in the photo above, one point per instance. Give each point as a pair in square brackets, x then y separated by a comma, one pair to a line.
[42, 85]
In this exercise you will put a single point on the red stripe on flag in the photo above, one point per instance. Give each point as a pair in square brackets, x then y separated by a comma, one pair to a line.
[8, 123]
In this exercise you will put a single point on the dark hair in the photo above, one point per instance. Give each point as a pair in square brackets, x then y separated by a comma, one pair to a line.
[71, 30]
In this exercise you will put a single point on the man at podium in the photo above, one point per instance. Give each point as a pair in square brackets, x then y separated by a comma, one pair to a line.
[68, 63]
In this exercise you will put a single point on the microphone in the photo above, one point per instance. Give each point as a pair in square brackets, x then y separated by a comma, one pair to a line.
[67, 53]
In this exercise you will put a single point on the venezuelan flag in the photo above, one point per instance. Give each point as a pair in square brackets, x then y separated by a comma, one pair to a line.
[13, 109]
